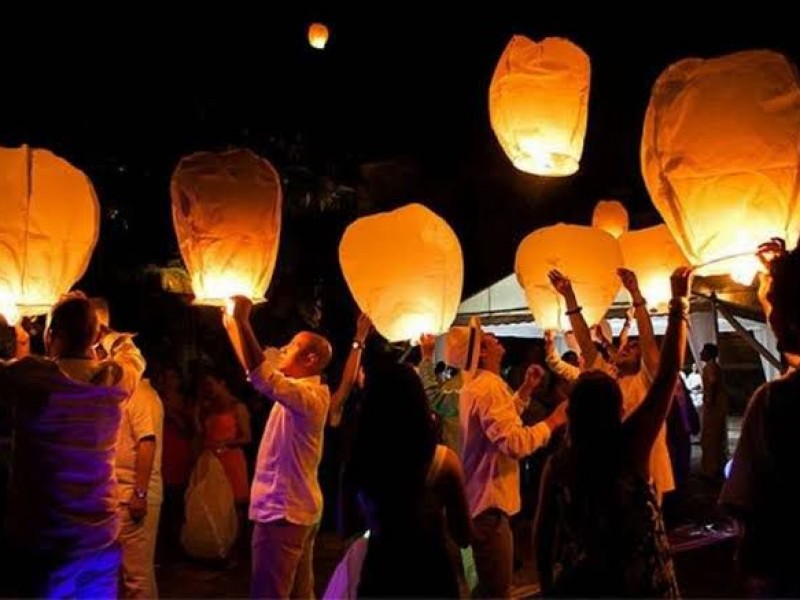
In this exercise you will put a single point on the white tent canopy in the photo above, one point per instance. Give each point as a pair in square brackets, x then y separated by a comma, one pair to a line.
[504, 312]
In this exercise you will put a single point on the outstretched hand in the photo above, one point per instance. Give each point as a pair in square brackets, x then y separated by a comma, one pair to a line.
[560, 282]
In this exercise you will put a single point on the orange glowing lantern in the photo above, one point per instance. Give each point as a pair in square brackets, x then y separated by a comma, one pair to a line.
[405, 271]
[653, 255]
[719, 157]
[611, 217]
[226, 208]
[50, 224]
[317, 35]
[538, 104]
[589, 257]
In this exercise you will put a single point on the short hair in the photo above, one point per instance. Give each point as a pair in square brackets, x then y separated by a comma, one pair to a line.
[73, 320]
[784, 296]
[710, 350]
[571, 357]
[320, 346]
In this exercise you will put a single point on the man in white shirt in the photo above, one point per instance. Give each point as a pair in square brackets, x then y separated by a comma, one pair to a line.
[286, 500]
[138, 469]
[63, 508]
[493, 441]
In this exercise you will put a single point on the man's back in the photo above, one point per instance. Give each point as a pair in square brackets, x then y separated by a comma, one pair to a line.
[63, 492]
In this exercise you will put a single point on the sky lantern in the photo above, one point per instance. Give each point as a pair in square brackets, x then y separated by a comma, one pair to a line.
[720, 157]
[589, 257]
[653, 255]
[405, 271]
[49, 228]
[226, 208]
[611, 217]
[317, 35]
[538, 104]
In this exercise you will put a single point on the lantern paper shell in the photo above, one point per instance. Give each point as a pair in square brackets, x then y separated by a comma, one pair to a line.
[48, 230]
[538, 104]
[405, 271]
[317, 35]
[611, 217]
[589, 257]
[226, 208]
[719, 156]
[653, 255]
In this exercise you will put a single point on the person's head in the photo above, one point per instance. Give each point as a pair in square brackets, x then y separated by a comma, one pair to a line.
[212, 387]
[306, 355]
[709, 352]
[72, 328]
[594, 413]
[395, 438]
[783, 297]
[440, 369]
[695, 368]
[629, 358]
[492, 351]
[170, 381]
[571, 357]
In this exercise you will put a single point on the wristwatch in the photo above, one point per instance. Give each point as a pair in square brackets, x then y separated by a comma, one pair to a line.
[140, 493]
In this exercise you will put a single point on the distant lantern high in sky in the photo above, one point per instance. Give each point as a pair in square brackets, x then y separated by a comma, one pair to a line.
[318, 35]
[405, 271]
[51, 221]
[538, 104]
[226, 208]
[719, 157]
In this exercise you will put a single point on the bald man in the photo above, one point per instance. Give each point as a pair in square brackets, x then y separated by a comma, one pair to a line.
[285, 500]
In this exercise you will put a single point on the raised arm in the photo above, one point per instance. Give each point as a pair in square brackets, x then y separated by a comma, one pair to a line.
[560, 367]
[647, 338]
[351, 366]
[626, 327]
[563, 286]
[642, 427]
[443, 403]
[534, 376]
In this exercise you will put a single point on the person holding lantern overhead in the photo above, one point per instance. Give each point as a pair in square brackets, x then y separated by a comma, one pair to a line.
[285, 500]
[63, 518]
[633, 366]
[762, 489]
[598, 529]
[493, 441]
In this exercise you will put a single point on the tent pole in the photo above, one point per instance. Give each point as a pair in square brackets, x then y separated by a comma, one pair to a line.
[754, 343]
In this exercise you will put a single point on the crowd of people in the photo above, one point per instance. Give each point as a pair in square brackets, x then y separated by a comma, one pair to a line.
[428, 465]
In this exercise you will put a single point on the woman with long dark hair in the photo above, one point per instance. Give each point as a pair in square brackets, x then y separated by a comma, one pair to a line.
[599, 530]
[411, 490]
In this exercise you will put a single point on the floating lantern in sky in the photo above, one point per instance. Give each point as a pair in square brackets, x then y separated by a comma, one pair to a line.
[226, 208]
[49, 228]
[653, 255]
[405, 271]
[538, 104]
[720, 160]
[611, 217]
[589, 257]
[317, 35]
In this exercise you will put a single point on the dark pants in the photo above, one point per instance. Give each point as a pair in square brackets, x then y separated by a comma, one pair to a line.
[283, 560]
[493, 549]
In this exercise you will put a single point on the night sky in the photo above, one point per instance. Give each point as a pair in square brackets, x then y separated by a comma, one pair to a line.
[125, 96]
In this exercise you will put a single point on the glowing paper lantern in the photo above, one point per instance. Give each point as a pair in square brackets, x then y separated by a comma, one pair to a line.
[226, 208]
[611, 217]
[405, 271]
[48, 230]
[317, 35]
[589, 257]
[653, 255]
[538, 102]
[719, 157]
